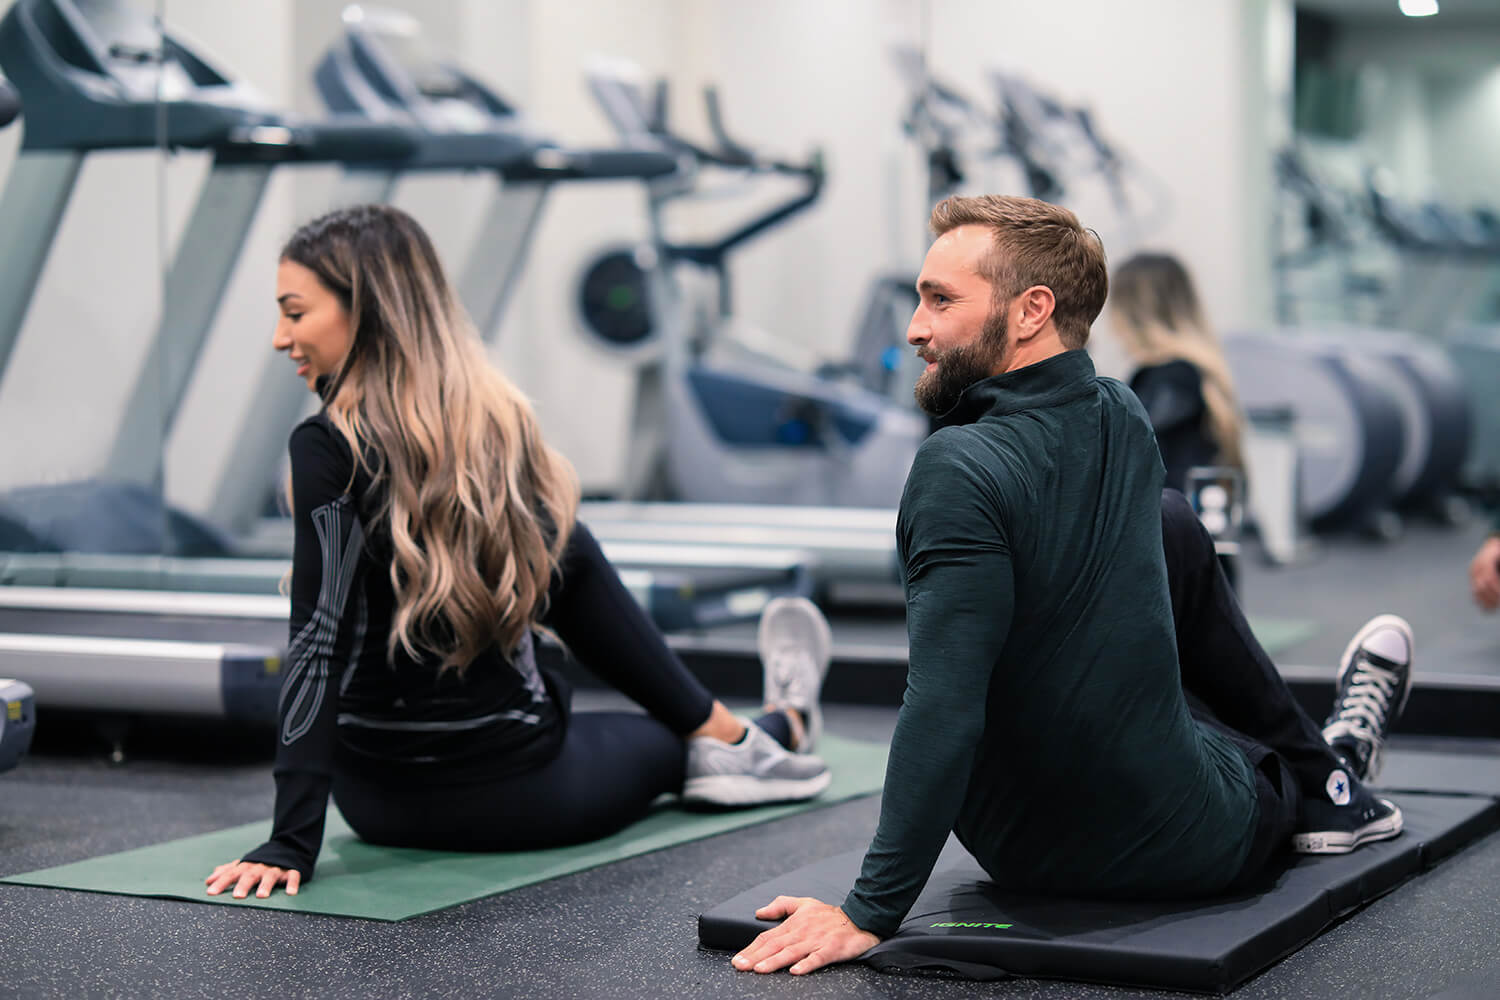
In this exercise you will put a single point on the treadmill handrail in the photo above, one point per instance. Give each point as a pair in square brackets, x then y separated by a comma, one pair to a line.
[278, 139]
[111, 647]
[177, 604]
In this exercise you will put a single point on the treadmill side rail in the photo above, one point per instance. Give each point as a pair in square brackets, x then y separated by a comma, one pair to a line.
[138, 675]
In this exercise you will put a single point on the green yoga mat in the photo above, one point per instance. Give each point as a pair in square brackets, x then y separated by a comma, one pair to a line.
[1277, 635]
[355, 879]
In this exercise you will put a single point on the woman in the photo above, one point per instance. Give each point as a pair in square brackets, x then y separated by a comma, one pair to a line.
[1183, 381]
[434, 532]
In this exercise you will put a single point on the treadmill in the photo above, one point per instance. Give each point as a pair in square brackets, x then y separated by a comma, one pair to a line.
[90, 73]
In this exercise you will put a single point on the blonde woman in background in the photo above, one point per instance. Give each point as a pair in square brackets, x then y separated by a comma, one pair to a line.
[435, 531]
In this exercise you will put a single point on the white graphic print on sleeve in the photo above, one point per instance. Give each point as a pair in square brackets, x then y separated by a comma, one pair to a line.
[341, 540]
[523, 660]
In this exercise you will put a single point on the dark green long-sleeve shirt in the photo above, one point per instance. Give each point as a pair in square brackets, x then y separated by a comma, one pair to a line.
[1044, 720]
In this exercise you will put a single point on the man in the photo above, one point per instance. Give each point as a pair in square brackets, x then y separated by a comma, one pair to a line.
[1085, 707]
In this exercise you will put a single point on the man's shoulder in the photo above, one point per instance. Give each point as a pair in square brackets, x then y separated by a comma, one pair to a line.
[978, 458]
[959, 445]
[1115, 394]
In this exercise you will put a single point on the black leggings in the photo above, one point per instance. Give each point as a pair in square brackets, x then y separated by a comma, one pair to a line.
[611, 765]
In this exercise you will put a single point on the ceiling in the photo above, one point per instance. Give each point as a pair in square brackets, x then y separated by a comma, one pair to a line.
[1452, 11]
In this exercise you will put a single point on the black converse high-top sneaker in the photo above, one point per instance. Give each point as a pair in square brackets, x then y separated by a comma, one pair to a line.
[1345, 816]
[1373, 683]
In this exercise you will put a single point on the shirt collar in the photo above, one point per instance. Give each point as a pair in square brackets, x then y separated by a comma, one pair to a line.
[1055, 380]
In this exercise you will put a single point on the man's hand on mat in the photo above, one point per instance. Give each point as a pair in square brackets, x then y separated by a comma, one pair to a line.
[245, 874]
[814, 934]
[1484, 574]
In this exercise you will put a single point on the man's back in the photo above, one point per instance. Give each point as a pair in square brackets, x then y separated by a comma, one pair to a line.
[1090, 775]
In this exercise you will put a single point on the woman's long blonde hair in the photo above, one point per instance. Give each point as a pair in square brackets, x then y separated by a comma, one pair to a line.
[479, 506]
[1157, 312]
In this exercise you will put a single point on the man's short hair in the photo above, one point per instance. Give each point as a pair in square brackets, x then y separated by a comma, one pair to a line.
[1036, 243]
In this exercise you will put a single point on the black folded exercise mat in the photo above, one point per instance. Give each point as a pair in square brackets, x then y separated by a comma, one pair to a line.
[963, 925]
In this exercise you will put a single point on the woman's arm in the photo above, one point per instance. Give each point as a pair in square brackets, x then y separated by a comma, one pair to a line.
[329, 540]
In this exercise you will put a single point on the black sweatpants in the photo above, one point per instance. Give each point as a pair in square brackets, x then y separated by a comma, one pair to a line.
[611, 764]
[1232, 685]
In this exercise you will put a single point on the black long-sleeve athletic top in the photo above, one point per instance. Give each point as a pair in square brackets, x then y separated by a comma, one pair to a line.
[343, 702]
[1044, 720]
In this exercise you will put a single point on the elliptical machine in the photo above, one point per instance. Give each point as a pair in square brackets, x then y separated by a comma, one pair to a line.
[720, 415]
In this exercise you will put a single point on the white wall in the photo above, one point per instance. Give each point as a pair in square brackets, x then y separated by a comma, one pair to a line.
[1432, 104]
[1465, 127]
[1178, 84]
[1172, 82]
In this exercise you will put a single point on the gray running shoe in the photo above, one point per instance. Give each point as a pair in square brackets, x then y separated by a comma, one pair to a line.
[755, 770]
[795, 645]
[1373, 684]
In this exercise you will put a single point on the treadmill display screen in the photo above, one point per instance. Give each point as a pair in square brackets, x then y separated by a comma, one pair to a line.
[421, 64]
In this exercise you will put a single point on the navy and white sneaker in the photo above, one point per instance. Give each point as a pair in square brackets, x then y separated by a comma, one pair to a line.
[755, 770]
[796, 646]
[1349, 816]
[1373, 684]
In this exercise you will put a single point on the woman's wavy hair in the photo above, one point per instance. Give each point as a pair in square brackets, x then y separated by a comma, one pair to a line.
[479, 506]
[1157, 311]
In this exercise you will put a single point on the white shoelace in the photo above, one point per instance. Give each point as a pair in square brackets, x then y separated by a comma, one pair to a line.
[789, 666]
[1367, 703]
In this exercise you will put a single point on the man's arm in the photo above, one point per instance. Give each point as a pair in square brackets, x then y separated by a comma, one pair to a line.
[960, 595]
[960, 598]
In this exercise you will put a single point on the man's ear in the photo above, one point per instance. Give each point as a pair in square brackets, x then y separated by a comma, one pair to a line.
[1031, 311]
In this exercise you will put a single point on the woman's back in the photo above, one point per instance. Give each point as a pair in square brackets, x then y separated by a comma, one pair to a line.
[392, 706]
[1172, 394]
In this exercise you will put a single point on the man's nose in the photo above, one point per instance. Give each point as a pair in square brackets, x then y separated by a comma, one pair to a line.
[918, 331]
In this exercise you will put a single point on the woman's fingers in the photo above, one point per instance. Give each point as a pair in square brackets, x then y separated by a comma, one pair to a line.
[247, 876]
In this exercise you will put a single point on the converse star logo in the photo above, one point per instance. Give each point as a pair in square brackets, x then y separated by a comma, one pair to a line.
[1338, 788]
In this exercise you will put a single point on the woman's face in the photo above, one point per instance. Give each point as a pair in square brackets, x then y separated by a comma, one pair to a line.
[314, 326]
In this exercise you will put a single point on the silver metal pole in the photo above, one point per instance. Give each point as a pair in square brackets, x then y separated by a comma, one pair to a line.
[32, 206]
[499, 253]
[195, 285]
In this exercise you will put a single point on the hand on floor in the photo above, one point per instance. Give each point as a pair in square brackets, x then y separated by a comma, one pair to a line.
[244, 874]
[813, 935]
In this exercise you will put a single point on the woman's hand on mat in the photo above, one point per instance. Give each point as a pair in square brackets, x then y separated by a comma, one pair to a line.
[245, 874]
[814, 934]
[1484, 574]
